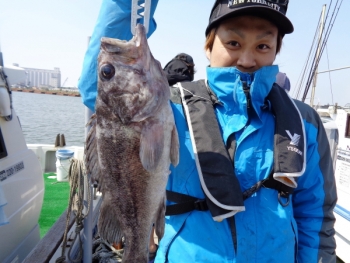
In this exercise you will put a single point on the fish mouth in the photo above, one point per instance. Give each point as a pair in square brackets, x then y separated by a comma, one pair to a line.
[117, 46]
[137, 39]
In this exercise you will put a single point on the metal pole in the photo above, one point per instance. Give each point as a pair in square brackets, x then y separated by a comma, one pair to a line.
[88, 219]
[317, 55]
[1, 59]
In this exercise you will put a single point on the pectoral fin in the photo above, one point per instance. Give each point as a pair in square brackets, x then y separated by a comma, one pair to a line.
[91, 162]
[151, 145]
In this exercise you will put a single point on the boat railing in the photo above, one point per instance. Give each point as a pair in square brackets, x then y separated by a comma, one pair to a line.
[51, 242]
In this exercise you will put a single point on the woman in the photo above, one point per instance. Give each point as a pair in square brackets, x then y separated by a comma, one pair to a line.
[274, 201]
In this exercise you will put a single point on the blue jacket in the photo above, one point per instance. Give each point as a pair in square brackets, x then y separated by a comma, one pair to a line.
[266, 231]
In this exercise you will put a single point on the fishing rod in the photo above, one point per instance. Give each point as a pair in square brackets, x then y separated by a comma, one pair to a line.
[306, 68]
[317, 53]
[324, 42]
[309, 67]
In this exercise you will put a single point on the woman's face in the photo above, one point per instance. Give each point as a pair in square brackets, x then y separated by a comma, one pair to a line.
[246, 42]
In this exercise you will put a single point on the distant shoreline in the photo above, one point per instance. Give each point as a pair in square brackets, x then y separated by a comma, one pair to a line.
[50, 92]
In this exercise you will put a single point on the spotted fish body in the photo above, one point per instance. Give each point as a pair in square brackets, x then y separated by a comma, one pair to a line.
[131, 143]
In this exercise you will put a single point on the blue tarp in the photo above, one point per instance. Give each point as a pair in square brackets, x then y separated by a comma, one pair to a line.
[114, 21]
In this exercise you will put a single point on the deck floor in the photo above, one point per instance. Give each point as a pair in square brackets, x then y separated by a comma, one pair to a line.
[56, 198]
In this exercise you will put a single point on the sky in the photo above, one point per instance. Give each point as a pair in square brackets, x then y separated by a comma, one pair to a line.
[54, 33]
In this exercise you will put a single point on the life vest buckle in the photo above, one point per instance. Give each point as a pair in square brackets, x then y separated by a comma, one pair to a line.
[252, 190]
[200, 205]
[284, 195]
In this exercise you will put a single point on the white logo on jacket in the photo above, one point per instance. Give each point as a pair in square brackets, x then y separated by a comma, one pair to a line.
[294, 140]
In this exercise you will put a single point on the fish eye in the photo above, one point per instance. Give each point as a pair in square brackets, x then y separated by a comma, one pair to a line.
[107, 71]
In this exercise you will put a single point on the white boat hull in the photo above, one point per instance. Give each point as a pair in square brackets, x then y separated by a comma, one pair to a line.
[341, 150]
[23, 187]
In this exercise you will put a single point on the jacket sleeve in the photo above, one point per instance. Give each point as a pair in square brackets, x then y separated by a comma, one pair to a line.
[315, 197]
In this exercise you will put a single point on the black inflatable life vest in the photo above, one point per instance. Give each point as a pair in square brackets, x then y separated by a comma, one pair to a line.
[215, 159]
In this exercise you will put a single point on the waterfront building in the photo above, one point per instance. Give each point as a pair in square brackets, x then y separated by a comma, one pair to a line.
[42, 78]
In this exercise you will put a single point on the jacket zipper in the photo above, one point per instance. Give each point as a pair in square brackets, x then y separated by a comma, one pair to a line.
[246, 88]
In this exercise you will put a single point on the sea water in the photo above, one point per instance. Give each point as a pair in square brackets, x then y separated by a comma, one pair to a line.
[43, 116]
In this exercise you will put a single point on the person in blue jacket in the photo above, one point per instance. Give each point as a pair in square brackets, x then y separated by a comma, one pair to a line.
[255, 180]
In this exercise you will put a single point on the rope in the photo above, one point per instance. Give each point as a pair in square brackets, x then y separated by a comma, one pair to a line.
[329, 74]
[76, 176]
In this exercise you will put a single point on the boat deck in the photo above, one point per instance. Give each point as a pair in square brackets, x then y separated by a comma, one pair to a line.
[56, 198]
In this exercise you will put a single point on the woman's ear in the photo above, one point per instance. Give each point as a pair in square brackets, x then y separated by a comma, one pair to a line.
[208, 53]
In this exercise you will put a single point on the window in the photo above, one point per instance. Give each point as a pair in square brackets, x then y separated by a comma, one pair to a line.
[3, 152]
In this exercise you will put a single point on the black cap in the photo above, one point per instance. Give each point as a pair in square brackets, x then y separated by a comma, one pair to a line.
[186, 58]
[179, 69]
[272, 10]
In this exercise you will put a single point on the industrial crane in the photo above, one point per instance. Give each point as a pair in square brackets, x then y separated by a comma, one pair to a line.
[64, 82]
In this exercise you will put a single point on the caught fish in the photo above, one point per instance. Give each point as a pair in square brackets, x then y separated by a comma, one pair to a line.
[131, 143]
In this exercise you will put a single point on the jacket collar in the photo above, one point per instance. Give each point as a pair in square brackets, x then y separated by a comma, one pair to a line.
[227, 85]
